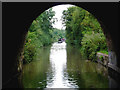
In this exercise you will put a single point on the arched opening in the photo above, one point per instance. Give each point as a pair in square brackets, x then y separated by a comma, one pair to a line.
[17, 45]
[87, 30]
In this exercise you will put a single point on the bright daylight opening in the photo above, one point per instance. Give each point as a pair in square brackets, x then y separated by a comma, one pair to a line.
[65, 48]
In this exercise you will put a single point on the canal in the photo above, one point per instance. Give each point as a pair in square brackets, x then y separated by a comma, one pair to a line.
[63, 66]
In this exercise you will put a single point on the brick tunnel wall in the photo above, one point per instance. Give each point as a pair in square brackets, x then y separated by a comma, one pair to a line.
[17, 17]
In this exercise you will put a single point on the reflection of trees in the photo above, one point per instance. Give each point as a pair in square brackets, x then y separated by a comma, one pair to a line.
[87, 74]
[34, 74]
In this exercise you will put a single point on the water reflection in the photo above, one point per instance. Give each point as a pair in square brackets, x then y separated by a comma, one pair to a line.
[62, 66]
[58, 60]
[34, 74]
[87, 74]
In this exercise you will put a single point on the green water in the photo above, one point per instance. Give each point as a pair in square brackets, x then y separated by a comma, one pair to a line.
[61, 66]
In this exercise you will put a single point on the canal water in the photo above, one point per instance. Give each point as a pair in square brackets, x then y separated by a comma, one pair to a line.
[62, 66]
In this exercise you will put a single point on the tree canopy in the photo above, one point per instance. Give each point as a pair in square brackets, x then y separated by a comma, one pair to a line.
[41, 33]
[83, 30]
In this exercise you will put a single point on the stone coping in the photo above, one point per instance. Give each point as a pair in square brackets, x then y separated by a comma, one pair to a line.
[102, 54]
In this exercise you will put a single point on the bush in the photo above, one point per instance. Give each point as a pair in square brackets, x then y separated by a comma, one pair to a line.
[29, 53]
[33, 42]
[38, 35]
[91, 43]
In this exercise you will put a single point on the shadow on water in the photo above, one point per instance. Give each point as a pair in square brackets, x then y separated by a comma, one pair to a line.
[61, 66]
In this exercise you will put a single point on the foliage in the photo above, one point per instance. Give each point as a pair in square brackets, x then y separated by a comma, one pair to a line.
[41, 33]
[101, 58]
[91, 43]
[29, 53]
[103, 51]
[56, 34]
[83, 30]
[72, 19]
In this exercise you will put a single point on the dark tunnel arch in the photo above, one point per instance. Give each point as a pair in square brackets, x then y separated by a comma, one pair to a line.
[106, 13]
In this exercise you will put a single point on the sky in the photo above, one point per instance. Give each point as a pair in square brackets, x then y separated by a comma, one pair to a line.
[58, 13]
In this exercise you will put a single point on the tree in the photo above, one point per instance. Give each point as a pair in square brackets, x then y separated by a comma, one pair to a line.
[39, 34]
[83, 30]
